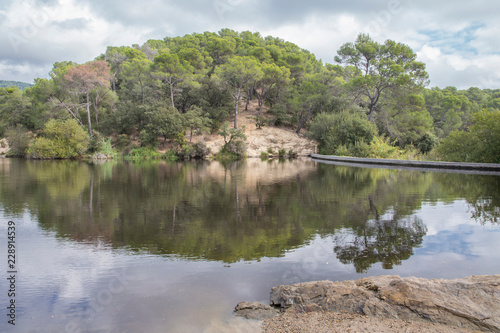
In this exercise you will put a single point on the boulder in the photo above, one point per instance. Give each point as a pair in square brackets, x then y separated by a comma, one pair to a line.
[470, 303]
[256, 311]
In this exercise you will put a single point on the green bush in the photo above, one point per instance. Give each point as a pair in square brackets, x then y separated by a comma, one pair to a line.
[342, 133]
[234, 147]
[426, 143]
[143, 153]
[60, 140]
[19, 139]
[480, 144]
[198, 150]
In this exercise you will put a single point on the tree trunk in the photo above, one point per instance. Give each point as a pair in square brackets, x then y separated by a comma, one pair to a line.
[89, 119]
[172, 94]
[237, 93]
[236, 113]
[303, 120]
[96, 106]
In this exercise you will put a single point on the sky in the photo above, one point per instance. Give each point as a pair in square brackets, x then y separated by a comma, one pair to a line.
[459, 41]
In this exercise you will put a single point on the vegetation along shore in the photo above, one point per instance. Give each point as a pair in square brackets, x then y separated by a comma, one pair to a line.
[234, 94]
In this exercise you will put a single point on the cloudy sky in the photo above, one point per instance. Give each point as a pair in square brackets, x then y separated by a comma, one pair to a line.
[459, 41]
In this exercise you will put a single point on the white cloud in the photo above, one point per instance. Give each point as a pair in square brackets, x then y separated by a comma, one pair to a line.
[459, 44]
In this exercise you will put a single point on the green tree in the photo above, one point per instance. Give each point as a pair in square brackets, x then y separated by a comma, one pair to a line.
[19, 139]
[381, 68]
[273, 77]
[239, 73]
[407, 120]
[340, 131]
[14, 109]
[480, 144]
[196, 120]
[160, 120]
[169, 69]
[136, 74]
[61, 139]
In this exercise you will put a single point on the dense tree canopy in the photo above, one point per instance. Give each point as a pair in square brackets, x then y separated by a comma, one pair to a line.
[179, 86]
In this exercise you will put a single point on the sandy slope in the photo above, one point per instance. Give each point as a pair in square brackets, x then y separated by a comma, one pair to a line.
[264, 139]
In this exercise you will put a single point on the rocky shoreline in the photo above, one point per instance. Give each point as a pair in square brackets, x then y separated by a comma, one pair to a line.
[382, 304]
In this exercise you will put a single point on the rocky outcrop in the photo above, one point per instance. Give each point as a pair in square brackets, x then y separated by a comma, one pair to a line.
[470, 303]
[255, 311]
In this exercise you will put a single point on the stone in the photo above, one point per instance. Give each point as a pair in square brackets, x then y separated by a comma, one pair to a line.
[470, 303]
[256, 311]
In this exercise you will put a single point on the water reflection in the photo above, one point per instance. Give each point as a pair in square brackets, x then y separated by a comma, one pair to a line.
[245, 210]
[158, 247]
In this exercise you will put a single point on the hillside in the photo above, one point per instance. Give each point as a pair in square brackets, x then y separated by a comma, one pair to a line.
[268, 138]
[20, 85]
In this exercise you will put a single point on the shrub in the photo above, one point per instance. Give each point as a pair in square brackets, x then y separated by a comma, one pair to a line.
[61, 139]
[342, 131]
[19, 139]
[234, 147]
[142, 153]
[198, 150]
[480, 144]
[427, 142]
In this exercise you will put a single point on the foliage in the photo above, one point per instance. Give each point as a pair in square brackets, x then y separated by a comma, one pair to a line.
[342, 133]
[196, 121]
[19, 139]
[198, 150]
[234, 142]
[142, 153]
[480, 144]
[194, 83]
[20, 85]
[61, 139]
[14, 110]
[381, 68]
[160, 120]
[381, 148]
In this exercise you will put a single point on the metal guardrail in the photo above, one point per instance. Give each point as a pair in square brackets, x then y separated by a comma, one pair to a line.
[410, 164]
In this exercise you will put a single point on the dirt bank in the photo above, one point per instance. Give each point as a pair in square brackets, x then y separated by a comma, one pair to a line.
[268, 138]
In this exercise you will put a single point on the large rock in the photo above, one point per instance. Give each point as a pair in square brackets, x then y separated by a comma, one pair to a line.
[255, 311]
[470, 303]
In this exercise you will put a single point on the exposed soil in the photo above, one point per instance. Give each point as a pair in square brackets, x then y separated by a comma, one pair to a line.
[4, 147]
[323, 322]
[266, 139]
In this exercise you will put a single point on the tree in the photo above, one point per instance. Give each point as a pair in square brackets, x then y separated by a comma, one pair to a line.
[381, 68]
[160, 120]
[273, 76]
[341, 129]
[82, 79]
[169, 69]
[196, 120]
[239, 73]
[480, 144]
[61, 139]
[136, 72]
[14, 109]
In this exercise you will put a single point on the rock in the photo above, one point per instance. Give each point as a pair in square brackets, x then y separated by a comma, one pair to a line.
[470, 303]
[256, 311]
[99, 156]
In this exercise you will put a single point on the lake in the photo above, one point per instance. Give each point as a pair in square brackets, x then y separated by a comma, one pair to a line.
[153, 246]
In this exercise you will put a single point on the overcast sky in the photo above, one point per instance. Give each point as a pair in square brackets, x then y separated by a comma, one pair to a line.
[459, 41]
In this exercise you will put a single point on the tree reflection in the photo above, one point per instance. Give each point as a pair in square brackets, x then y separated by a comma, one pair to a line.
[386, 241]
[241, 211]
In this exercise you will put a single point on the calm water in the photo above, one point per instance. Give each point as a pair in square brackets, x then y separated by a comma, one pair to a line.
[159, 247]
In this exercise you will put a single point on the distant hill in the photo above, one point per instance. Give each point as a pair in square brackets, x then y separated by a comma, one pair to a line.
[20, 85]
